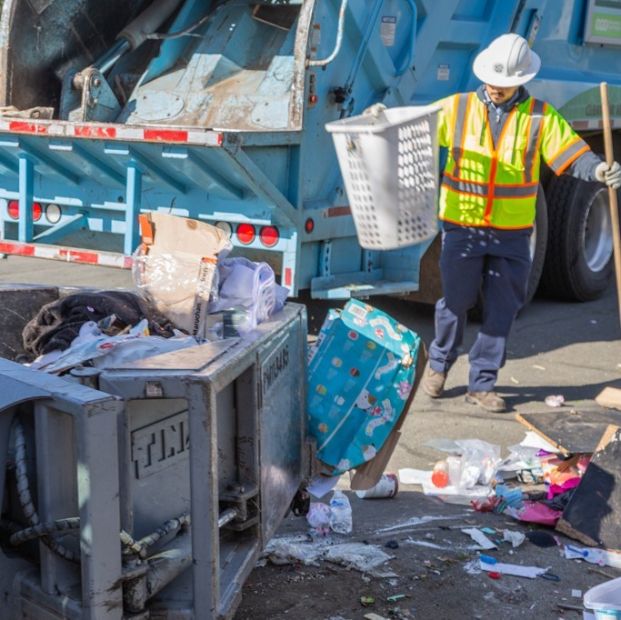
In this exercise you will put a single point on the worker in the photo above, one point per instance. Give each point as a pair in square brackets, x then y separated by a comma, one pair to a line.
[495, 140]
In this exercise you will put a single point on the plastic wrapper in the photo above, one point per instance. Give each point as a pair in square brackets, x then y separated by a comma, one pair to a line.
[479, 459]
[175, 268]
[318, 517]
[249, 289]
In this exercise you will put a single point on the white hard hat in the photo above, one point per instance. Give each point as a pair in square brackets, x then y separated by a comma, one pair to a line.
[507, 61]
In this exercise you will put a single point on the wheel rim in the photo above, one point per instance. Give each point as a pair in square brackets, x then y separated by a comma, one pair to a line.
[597, 234]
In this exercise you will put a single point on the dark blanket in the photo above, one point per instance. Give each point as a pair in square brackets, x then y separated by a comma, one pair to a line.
[58, 323]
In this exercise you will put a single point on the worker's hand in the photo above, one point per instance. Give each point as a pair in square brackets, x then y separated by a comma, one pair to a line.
[609, 175]
[374, 110]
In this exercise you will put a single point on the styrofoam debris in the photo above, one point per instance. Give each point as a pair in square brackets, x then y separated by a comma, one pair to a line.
[480, 538]
[515, 538]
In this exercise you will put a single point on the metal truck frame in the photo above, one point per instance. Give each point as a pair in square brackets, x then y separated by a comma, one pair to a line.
[226, 124]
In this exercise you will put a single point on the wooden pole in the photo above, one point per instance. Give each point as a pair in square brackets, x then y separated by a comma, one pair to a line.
[612, 193]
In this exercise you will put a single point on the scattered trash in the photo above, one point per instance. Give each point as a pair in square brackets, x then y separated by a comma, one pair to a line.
[605, 600]
[318, 517]
[407, 475]
[340, 513]
[514, 380]
[538, 367]
[541, 538]
[576, 593]
[490, 564]
[479, 460]
[515, 538]
[367, 601]
[290, 550]
[420, 521]
[175, 268]
[494, 575]
[388, 486]
[392, 544]
[374, 617]
[396, 597]
[601, 557]
[480, 538]
[555, 400]
[440, 474]
[91, 344]
[320, 486]
[490, 531]
[535, 512]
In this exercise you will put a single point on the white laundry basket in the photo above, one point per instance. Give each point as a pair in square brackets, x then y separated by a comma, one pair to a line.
[389, 164]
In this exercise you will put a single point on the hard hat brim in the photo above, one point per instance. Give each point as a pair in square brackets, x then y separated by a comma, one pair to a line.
[483, 68]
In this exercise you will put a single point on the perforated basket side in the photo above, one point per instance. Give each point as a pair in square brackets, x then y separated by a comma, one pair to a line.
[391, 179]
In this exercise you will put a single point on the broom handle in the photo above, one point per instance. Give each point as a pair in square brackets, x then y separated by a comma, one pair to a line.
[612, 194]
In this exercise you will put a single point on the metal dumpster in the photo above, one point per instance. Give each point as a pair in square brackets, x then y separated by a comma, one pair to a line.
[148, 491]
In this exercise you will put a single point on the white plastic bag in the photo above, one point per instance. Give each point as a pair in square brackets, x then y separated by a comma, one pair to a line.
[249, 285]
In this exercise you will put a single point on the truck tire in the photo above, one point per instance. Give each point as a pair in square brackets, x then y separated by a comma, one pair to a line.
[538, 245]
[578, 263]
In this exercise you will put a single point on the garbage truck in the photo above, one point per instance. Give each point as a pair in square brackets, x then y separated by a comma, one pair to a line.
[216, 110]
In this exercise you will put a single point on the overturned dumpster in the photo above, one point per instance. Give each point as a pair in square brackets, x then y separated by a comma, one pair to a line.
[147, 490]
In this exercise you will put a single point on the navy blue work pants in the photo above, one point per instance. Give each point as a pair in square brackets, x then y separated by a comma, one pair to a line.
[497, 263]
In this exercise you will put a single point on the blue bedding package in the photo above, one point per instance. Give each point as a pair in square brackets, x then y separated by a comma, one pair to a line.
[361, 373]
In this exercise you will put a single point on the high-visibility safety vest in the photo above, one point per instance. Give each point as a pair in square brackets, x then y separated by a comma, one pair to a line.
[496, 185]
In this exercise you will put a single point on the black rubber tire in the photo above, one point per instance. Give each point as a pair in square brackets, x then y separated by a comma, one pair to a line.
[566, 274]
[541, 244]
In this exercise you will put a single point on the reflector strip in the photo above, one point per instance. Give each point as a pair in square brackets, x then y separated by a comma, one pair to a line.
[165, 135]
[288, 276]
[338, 211]
[70, 255]
[27, 127]
[100, 131]
[93, 131]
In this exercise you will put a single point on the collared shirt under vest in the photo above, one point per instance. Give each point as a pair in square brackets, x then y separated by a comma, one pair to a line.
[495, 185]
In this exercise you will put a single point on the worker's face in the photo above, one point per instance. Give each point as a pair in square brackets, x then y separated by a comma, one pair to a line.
[500, 94]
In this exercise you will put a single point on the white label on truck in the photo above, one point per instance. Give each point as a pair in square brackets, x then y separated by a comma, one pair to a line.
[444, 73]
[388, 29]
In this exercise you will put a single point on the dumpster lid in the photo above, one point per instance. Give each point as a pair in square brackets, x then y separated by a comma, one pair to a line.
[193, 358]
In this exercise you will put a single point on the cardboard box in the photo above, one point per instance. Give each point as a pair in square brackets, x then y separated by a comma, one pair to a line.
[362, 371]
[175, 267]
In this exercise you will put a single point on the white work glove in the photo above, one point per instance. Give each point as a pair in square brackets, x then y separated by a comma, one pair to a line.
[374, 110]
[609, 175]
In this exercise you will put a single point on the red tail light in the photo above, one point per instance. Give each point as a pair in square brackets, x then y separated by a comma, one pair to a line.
[246, 233]
[13, 209]
[309, 225]
[269, 236]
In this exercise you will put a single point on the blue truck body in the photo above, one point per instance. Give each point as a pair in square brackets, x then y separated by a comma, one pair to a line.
[226, 123]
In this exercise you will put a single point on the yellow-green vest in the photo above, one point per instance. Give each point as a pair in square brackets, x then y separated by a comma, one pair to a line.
[496, 186]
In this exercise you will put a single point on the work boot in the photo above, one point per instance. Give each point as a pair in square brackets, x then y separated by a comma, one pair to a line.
[433, 382]
[490, 401]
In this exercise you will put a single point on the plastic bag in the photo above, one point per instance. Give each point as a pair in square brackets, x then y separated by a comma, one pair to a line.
[340, 513]
[479, 459]
[249, 285]
[175, 267]
[318, 517]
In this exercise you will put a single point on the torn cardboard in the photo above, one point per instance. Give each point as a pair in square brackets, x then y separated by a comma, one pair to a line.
[175, 267]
